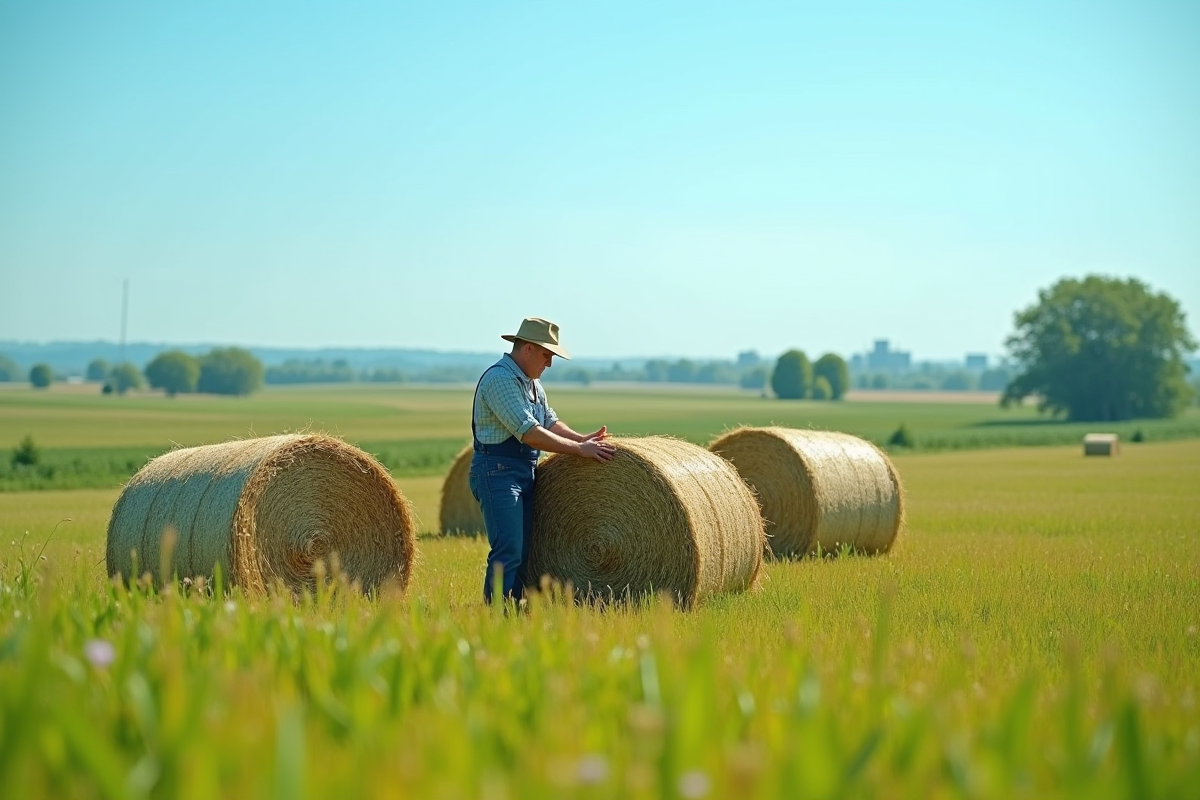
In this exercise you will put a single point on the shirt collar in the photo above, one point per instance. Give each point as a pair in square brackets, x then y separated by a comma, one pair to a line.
[510, 363]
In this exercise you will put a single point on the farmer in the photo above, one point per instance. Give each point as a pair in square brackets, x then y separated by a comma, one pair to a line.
[511, 422]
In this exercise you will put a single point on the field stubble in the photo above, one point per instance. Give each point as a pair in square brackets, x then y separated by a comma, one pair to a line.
[1033, 634]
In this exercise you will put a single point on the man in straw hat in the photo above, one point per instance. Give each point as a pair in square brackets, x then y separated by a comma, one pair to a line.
[511, 422]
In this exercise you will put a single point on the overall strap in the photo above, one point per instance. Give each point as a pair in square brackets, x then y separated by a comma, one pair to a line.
[511, 447]
[475, 397]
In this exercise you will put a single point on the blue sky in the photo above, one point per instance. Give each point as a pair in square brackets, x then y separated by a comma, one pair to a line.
[670, 178]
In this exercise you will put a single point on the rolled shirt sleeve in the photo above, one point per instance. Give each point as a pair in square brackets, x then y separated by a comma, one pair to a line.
[503, 396]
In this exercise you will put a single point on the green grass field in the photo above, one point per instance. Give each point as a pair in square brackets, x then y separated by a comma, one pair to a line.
[93, 441]
[1034, 634]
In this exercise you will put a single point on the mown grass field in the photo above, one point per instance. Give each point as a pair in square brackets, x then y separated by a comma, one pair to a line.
[1034, 634]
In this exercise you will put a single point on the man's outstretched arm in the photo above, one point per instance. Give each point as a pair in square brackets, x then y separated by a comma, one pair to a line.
[591, 446]
[562, 429]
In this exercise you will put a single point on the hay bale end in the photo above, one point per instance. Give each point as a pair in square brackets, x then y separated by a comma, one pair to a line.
[459, 511]
[663, 515]
[1101, 444]
[819, 490]
[264, 510]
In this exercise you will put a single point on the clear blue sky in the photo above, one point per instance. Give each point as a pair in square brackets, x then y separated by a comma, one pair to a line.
[660, 178]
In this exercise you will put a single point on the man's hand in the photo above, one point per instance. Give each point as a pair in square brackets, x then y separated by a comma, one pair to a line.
[596, 435]
[561, 439]
[597, 449]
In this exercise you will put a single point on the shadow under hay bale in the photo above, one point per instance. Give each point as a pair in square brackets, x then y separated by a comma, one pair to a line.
[662, 516]
[819, 490]
[460, 513]
[263, 510]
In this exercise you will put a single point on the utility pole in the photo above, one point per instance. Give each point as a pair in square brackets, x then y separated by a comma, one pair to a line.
[124, 318]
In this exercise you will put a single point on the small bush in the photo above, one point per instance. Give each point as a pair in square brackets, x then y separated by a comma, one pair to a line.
[26, 454]
[1138, 436]
[902, 437]
[821, 389]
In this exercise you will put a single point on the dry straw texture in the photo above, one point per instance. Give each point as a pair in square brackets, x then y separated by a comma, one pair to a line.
[818, 489]
[264, 510]
[460, 510]
[662, 516]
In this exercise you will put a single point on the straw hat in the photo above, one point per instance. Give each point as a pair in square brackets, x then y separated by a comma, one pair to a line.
[541, 332]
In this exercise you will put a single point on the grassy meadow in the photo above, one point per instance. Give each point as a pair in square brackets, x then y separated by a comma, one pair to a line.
[1034, 633]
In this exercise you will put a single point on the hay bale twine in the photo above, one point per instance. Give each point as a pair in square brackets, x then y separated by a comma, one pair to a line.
[662, 515]
[264, 509]
[460, 513]
[818, 489]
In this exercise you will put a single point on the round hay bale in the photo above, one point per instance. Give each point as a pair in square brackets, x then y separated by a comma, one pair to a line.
[818, 489]
[662, 516]
[263, 510]
[460, 513]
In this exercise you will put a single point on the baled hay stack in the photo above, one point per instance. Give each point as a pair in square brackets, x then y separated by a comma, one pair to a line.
[818, 488]
[460, 510]
[1101, 444]
[662, 515]
[264, 509]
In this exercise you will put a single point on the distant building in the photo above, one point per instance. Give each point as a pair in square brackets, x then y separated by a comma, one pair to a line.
[977, 362]
[884, 359]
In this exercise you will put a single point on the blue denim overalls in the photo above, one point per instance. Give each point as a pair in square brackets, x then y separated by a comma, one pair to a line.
[502, 481]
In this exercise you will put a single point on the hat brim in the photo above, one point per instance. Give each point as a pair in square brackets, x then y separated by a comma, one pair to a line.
[557, 349]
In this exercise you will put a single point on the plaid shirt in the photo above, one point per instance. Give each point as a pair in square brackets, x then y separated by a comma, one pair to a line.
[509, 403]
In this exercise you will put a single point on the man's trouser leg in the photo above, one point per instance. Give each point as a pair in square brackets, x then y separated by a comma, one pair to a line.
[504, 488]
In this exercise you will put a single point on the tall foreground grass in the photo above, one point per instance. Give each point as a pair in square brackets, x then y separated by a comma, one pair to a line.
[1035, 635]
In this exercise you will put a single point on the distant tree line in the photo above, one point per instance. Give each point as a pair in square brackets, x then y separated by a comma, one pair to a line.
[223, 370]
[1091, 349]
[751, 374]
[928, 377]
[176, 372]
[748, 372]
[312, 371]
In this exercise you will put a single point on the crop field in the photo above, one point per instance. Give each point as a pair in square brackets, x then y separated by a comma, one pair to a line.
[1035, 633]
[92, 441]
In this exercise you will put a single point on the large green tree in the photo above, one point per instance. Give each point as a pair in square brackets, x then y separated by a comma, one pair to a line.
[97, 370]
[833, 369]
[9, 369]
[173, 371]
[41, 376]
[1101, 349]
[123, 377]
[793, 376]
[230, 370]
